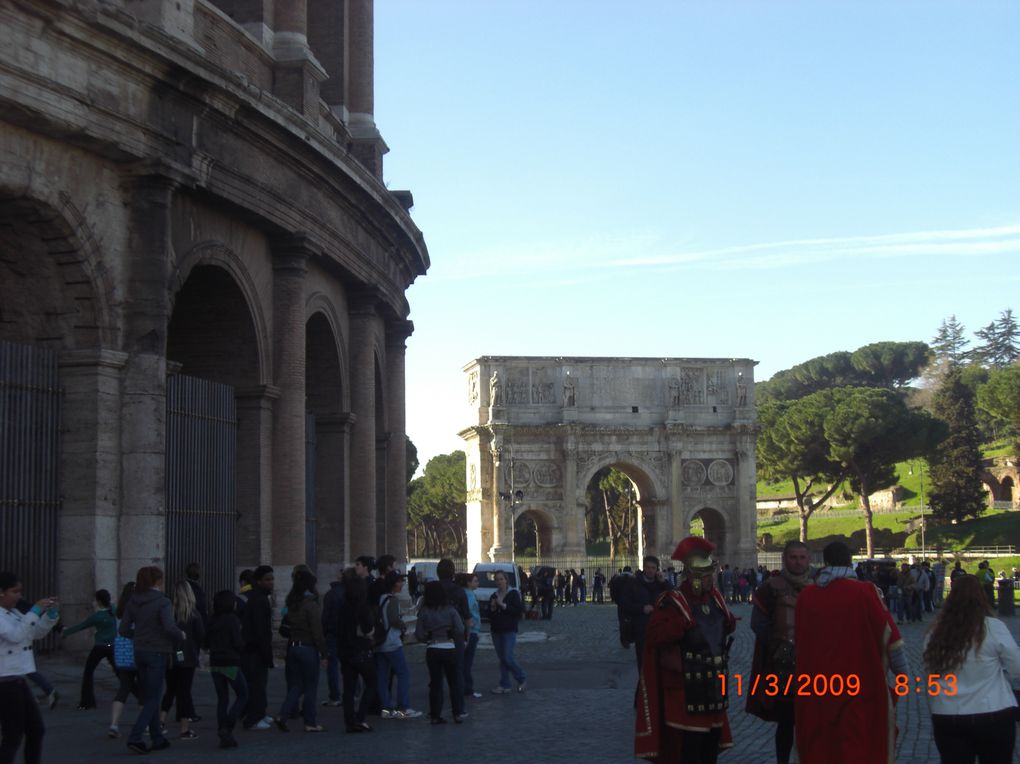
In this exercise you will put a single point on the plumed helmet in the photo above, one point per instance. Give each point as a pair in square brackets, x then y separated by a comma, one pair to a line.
[696, 554]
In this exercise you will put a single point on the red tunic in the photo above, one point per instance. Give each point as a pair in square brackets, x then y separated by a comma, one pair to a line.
[842, 629]
[661, 711]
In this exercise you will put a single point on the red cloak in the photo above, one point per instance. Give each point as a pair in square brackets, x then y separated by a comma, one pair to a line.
[661, 711]
[844, 629]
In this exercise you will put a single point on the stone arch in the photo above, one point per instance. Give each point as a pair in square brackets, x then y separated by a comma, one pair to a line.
[53, 285]
[319, 303]
[545, 528]
[1007, 488]
[716, 529]
[215, 253]
[654, 528]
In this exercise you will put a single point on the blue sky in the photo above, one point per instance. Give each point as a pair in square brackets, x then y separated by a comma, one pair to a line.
[773, 180]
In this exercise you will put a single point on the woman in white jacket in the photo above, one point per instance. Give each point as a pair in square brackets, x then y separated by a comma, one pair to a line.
[19, 713]
[966, 652]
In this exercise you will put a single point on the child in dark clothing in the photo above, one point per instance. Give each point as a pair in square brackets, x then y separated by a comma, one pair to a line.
[225, 645]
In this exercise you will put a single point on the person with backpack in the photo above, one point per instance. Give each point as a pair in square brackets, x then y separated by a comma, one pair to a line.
[505, 611]
[354, 647]
[389, 651]
[183, 663]
[598, 583]
[225, 644]
[105, 624]
[331, 605]
[440, 627]
[124, 665]
[306, 651]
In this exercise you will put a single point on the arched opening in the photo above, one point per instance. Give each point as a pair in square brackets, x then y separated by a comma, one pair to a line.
[710, 524]
[325, 451]
[620, 521]
[215, 432]
[532, 536]
[1006, 489]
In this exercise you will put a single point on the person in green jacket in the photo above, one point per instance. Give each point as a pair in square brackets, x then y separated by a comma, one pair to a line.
[105, 624]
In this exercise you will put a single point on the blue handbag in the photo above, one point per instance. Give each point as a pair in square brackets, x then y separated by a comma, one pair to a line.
[123, 653]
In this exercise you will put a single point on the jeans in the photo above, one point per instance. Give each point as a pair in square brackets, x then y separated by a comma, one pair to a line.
[332, 668]
[442, 663]
[151, 667]
[395, 661]
[469, 662]
[19, 719]
[96, 655]
[178, 688]
[596, 595]
[355, 664]
[504, 642]
[227, 719]
[547, 606]
[256, 674]
[302, 679]
[988, 737]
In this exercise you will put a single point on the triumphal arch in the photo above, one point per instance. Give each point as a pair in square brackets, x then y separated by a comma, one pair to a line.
[683, 430]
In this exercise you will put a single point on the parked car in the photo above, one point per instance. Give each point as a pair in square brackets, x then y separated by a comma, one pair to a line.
[486, 572]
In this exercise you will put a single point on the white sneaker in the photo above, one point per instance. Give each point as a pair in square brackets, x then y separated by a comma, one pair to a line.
[387, 714]
[501, 690]
[522, 687]
[476, 695]
[268, 720]
[406, 713]
[262, 725]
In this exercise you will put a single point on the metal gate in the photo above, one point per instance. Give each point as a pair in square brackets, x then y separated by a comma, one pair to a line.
[30, 400]
[201, 491]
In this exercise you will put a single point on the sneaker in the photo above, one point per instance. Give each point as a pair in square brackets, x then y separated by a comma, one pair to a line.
[501, 690]
[459, 718]
[522, 686]
[85, 706]
[365, 726]
[387, 714]
[195, 719]
[160, 745]
[407, 713]
[139, 747]
[262, 725]
[162, 729]
[189, 735]
[333, 703]
[281, 724]
[52, 699]
[268, 719]
[476, 695]
[437, 720]
[113, 733]
[316, 728]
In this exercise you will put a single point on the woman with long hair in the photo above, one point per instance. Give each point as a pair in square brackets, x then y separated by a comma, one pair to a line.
[124, 664]
[149, 621]
[441, 628]
[105, 624]
[306, 651]
[505, 611]
[181, 675]
[974, 713]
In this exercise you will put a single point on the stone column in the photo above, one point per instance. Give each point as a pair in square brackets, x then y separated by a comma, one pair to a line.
[745, 484]
[498, 550]
[332, 435]
[296, 75]
[677, 509]
[573, 502]
[290, 264]
[90, 443]
[368, 144]
[149, 191]
[361, 509]
[255, 474]
[396, 462]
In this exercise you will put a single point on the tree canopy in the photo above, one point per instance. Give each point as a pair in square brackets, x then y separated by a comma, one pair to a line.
[1000, 397]
[956, 489]
[436, 507]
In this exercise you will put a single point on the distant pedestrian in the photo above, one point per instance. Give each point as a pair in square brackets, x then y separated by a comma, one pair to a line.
[619, 587]
[968, 651]
[440, 627]
[181, 676]
[639, 598]
[470, 584]
[598, 584]
[150, 623]
[505, 611]
[19, 713]
[582, 586]
[105, 623]
[223, 638]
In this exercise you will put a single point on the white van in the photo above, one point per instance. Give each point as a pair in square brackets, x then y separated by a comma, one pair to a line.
[487, 583]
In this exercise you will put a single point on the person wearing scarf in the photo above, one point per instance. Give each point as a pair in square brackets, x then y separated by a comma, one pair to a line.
[772, 621]
[846, 643]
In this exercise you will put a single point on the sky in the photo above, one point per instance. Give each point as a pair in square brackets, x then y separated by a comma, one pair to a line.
[771, 180]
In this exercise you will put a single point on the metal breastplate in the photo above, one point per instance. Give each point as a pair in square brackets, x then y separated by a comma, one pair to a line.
[705, 658]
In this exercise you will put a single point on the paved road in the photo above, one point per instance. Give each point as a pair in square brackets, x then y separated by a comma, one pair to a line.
[578, 709]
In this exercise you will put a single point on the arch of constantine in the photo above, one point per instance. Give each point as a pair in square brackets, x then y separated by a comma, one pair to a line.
[682, 429]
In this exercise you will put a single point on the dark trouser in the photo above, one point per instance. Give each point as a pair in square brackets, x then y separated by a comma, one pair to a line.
[256, 674]
[987, 737]
[46, 685]
[547, 606]
[469, 662]
[19, 718]
[700, 747]
[443, 663]
[302, 679]
[596, 595]
[96, 655]
[784, 732]
[151, 668]
[178, 688]
[354, 664]
[128, 685]
[639, 639]
[332, 668]
[227, 719]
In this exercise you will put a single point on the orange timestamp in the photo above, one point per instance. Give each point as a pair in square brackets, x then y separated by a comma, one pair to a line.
[933, 684]
[794, 685]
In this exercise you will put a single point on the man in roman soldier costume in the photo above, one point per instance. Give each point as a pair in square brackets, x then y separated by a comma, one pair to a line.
[773, 626]
[681, 704]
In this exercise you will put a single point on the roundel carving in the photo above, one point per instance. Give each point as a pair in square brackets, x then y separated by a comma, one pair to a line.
[720, 472]
[693, 472]
[522, 473]
[547, 474]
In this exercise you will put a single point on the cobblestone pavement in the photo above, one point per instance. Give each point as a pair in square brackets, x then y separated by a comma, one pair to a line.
[578, 708]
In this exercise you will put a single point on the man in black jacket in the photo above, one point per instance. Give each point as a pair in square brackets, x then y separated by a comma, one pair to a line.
[457, 597]
[257, 658]
[637, 600]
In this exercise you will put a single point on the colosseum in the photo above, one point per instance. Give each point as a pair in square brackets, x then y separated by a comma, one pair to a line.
[202, 292]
